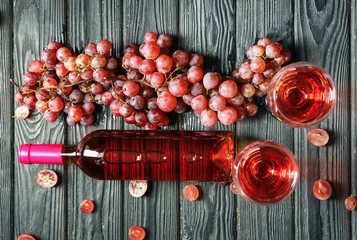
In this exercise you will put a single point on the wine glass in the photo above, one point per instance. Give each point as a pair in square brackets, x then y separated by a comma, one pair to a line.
[265, 172]
[301, 95]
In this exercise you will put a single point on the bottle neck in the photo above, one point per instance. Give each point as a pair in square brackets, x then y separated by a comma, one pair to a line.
[47, 154]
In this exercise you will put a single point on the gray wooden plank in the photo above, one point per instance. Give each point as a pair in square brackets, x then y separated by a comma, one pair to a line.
[322, 36]
[6, 124]
[38, 211]
[158, 211]
[353, 139]
[255, 19]
[208, 27]
[94, 21]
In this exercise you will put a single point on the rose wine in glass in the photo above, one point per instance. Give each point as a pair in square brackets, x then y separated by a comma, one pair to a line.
[301, 95]
[265, 172]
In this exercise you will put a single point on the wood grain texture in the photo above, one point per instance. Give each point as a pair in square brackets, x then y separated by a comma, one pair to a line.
[100, 20]
[322, 36]
[158, 210]
[38, 211]
[353, 102]
[6, 123]
[205, 29]
[255, 19]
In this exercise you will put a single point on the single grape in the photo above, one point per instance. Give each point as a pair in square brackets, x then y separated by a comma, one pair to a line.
[257, 65]
[141, 118]
[181, 106]
[164, 122]
[55, 104]
[155, 116]
[322, 189]
[166, 102]
[198, 89]
[86, 206]
[180, 59]
[126, 58]
[131, 47]
[147, 66]
[70, 122]
[29, 78]
[90, 49]
[87, 120]
[251, 109]
[147, 92]
[135, 61]
[50, 116]
[87, 74]
[130, 119]
[107, 97]
[126, 110]
[100, 75]
[98, 61]
[237, 100]
[54, 45]
[76, 96]
[22, 112]
[210, 80]
[195, 74]
[264, 86]
[49, 57]
[163, 64]
[187, 98]
[88, 108]
[151, 50]
[82, 60]
[178, 87]
[152, 103]
[112, 64]
[273, 50]
[199, 103]
[191, 192]
[104, 46]
[70, 64]
[19, 97]
[36, 67]
[137, 102]
[209, 118]
[96, 88]
[257, 50]
[248, 90]
[150, 37]
[245, 72]
[350, 203]
[75, 113]
[241, 113]
[217, 103]
[136, 233]
[63, 53]
[115, 106]
[150, 126]
[318, 137]
[196, 60]
[164, 41]
[30, 101]
[264, 41]
[227, 116]
[131, 89]
[258, 78]
[61, 71]
[284, 56]
[228, 89]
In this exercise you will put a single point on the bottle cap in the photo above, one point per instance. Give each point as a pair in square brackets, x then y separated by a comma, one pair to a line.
[40, 153]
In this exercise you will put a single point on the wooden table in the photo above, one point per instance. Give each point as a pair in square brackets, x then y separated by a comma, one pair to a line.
[322, 32]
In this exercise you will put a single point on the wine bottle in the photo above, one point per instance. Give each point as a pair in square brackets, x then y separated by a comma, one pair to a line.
[143, 155]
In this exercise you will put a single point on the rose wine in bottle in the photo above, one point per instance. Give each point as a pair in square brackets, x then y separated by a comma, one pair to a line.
[143, 155]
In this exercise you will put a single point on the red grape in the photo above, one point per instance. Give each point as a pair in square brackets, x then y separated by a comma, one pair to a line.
[318, 137]
[157, 79]
[217, 103]
[115, 106]
[191, 192]
[151, 50]
[86, 206]
[22, 112]
[163, 64]
[63, 53]
[210, 80]
[350, 203]
[54, 45]
[251, 109]
[199, 103]
[166, 102]
[273, 50]
[104, 47]
[228, 89]
[47, 178]
[227, 116]
[131, 47]
[131, 89]
[180, 59]
[264, 41]
[209, 118]
[150, 37]
[50, 116]
[147, 66]
[164, 41]
[55, 104]
[75, 113]
[196, 60]
[322, 189]
[36, 67]
[178, 87]
[90, 49]
[195, 74]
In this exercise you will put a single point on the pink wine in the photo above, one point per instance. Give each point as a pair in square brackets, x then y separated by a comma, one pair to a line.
[143, 155]
[301, 95]
[265, 172]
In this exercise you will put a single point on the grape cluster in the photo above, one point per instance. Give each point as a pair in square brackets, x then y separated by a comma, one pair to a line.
[145, 84]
